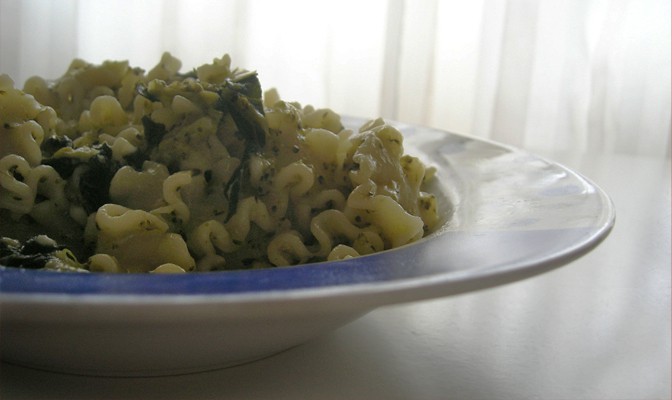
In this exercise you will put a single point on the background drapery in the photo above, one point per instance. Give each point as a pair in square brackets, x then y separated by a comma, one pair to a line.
[574, 75]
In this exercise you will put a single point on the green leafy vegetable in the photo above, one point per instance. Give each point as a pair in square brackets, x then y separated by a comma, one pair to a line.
[242, 100]
[38, 252]
[53, 144]
[94, 185]
[144, 92]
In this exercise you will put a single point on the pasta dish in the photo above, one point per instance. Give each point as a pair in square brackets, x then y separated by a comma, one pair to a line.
[110, 168]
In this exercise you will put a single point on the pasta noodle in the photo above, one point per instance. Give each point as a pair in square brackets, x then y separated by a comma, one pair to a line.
[111, 169]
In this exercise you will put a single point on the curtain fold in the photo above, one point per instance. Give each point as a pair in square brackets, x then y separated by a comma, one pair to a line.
[574, 75]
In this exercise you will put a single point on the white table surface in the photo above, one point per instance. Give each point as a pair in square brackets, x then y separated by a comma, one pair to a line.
[598, 328]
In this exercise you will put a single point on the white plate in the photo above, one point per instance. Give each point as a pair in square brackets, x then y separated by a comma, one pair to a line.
[508, 215]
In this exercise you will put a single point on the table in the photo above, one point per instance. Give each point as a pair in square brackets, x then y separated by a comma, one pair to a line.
[597, 328]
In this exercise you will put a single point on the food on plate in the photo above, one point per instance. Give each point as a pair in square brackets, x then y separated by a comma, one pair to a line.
[113, 169]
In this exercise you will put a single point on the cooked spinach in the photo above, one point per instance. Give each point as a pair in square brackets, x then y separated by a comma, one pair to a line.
[142, 90]
[54, 143]
[94, 185]
[38, 252]
[242, 100]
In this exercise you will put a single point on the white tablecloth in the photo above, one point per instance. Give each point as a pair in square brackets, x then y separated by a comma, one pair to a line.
[598, 328]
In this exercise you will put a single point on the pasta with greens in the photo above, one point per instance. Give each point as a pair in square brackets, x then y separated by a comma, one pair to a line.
[113, 169]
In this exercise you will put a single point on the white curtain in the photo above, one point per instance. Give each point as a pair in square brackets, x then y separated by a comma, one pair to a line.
[574, 75]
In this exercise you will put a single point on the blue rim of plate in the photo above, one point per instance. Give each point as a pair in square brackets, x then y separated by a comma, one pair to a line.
[389, 267]
[446, 257]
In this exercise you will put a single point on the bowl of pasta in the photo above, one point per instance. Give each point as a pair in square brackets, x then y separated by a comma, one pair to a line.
[163, 222]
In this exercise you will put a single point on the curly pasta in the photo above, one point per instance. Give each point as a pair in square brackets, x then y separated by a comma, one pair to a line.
[171, 172]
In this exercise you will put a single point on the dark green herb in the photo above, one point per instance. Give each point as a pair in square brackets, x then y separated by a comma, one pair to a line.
[232, 189]
[32, 254]
[94, 184]
[54, 143]
[242, 100]
[142, 90]
[63, 165]
[35, 253]
[154, 132]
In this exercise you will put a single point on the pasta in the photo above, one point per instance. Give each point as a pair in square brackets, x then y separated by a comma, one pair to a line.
[111, 169]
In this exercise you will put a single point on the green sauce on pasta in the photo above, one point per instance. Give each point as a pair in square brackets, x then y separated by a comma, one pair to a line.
[114, 169]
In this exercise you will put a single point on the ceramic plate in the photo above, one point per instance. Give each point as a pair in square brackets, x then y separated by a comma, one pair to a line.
[507, 214]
